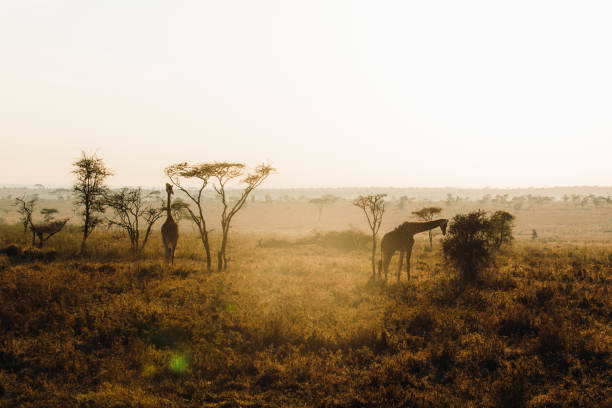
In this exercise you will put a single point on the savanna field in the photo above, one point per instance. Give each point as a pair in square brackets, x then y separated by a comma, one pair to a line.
[296, 320]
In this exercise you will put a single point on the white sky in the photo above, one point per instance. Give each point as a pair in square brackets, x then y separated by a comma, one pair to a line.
[332, 93]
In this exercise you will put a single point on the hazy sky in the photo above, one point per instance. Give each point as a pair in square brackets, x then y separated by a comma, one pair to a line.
[332, 93]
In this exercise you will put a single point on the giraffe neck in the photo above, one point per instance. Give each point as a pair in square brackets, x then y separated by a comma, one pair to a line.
[426, 226]
[169, 209]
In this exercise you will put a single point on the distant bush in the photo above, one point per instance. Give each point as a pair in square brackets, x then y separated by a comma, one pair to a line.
[347, 240]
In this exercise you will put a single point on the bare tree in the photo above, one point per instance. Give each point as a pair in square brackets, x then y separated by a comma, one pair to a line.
[43, 231]
[224, 172]
[427, 214]
[25, 209]
[131, 212]
[90, 190]
[373, 207]
[201, 172]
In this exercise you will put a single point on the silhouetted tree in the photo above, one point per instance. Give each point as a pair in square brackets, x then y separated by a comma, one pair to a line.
[132, 212]
[202, 173]
[225, 172]
[180, 209]
[467, 245]
[373, 206]
[321, 202]
[25, 209]
[45, 230]
[427, 214]
[90, 189]
[534, 235]
[501, 227]
[48, 213]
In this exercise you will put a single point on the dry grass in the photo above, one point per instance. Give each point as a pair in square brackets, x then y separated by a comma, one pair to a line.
[302, 324]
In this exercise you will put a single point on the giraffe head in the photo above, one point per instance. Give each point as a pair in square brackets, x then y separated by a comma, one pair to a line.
[443, 226]
[169, 188]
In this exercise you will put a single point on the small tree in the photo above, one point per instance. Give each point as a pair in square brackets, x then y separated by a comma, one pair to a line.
[90, 190]
[223, 173]
[427, 214]
[467, 245]
[25, 209]
[43, 231]
[321, 202]
[373, 206]
[131, 212]
[201, 172]
[48, 213]
[501, 228]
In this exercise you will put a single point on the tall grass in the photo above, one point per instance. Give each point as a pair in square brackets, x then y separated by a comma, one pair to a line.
[301, 325]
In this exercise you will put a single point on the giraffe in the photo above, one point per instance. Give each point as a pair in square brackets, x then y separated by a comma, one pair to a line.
[402, 239]
[170, 229]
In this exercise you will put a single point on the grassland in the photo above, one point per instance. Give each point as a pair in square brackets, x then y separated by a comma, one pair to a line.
[296, 320]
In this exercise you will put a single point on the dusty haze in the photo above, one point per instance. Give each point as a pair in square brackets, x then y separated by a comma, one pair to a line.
[343, 93]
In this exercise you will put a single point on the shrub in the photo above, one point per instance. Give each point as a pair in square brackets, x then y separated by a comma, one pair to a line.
[347, 240]
[467, 245]
[472, 240]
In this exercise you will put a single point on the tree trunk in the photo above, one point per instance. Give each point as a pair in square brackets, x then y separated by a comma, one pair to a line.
[207, 251]
[430, 239]
[82, 252]
[221, 260]
[374, 255]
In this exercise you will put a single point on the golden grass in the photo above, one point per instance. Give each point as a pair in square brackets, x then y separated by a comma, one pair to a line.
[301, 324]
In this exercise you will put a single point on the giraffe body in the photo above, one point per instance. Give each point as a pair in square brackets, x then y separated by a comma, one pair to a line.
[402, 239]
[169, 230]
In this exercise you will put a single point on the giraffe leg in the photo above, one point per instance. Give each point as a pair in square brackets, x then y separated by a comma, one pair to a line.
[408, 256]
[401, 262]
[167, 252]
[386, 260]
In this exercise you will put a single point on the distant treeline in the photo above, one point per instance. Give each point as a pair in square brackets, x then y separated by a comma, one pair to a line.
[578, 196]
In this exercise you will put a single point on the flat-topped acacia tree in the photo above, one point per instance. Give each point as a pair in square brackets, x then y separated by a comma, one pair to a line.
[427, 214]
[201, 172]
[224, 172]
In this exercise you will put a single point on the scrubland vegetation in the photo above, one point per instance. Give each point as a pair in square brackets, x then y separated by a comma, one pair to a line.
[296, 320]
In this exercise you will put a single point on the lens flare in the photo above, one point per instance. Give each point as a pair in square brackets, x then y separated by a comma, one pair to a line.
[178, 362]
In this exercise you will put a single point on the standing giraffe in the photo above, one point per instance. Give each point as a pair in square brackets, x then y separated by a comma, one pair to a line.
[402, 239]
[170, 229]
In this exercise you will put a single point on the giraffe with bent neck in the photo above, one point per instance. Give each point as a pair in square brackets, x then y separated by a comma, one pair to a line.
[402, 239]
[169, 229]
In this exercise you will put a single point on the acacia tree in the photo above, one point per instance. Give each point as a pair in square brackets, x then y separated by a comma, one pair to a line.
[90, 191]
[43, 231]
[132, 211]
[373, 206]
[427, 214]
[202, 173]
[224, 172]
[322, 202]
